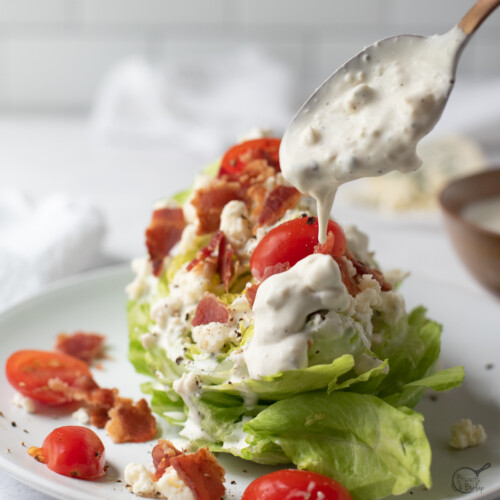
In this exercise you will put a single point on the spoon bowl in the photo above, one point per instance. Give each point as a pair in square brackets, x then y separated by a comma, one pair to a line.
[369, 115]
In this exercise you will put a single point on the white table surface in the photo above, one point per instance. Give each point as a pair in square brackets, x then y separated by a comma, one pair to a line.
[45, 155]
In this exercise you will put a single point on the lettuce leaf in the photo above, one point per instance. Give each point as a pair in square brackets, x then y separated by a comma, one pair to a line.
[369, 446]
[412, 347]
[139, 322]
[283, 385]
[443, 380]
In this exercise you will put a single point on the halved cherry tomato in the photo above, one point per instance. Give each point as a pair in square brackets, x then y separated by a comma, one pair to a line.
[29, 372]
[72, 451]
[295, 485]
[292, 241]
[238, 156]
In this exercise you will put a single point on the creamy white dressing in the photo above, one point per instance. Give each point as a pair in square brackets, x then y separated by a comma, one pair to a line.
[188, 387]
[281, 308]
[485, 213]
[368, 119]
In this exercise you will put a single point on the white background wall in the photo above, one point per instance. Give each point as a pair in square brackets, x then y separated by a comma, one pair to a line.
[53, 53]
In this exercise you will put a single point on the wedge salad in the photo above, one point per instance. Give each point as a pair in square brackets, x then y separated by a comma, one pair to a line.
[262, 343]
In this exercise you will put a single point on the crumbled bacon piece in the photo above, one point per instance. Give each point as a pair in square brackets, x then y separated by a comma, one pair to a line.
[348, 280]
[82, 345]
[124, 421]
[351, 282]
[278, 201]
[202, 473]
[162, 453]
[98, 403]
[251, 293]
[258, 195]
[210, 310]
[205, 252]
[225, 263]
[164, 231]
[253, 173]
[362, 268]
[131, 423]
[96, 400]
[210, 200]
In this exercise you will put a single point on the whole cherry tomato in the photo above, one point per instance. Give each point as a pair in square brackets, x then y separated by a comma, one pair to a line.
[291, 484]
[72, 451]
[291, 242]
[29, 372]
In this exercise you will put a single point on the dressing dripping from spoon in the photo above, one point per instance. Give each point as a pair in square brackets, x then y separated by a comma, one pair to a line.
[368, 117]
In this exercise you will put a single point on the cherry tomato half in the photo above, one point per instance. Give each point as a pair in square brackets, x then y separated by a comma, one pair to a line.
[74, 451]
[292, 241]
[238, 156]
[295, 485]
[29, 372]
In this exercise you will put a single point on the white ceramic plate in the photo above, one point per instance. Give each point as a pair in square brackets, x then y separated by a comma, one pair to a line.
[97, 302]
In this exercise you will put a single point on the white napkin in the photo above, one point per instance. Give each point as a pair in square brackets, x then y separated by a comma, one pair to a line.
[198, 104]
[44, 241]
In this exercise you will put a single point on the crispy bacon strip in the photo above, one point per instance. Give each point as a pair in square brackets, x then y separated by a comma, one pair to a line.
[164, 231]
[82, 345]
[210, 310]
[278, 201]
[209, 202]
[202, 473]
[131, 423]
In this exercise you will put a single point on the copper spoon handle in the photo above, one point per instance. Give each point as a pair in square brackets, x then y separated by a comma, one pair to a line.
[477, 14]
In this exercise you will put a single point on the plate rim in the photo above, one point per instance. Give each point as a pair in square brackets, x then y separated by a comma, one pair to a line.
[116, 271]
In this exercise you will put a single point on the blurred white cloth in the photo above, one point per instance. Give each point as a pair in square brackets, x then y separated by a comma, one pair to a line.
[474, 111]
[44, 241]
[199, 104]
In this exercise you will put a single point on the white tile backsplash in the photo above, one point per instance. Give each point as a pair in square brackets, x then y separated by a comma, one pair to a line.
[154, 12]
[429, 16]
[310, 12]
[61, 71]
[23, 12]
[54, 53]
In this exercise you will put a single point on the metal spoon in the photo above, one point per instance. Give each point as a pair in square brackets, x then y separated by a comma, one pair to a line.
[319, 169]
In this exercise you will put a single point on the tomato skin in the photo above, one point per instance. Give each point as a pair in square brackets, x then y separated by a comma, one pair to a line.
[292, 241]
[292, 484]
[29, 371]
[74, 451]
[239, 155]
